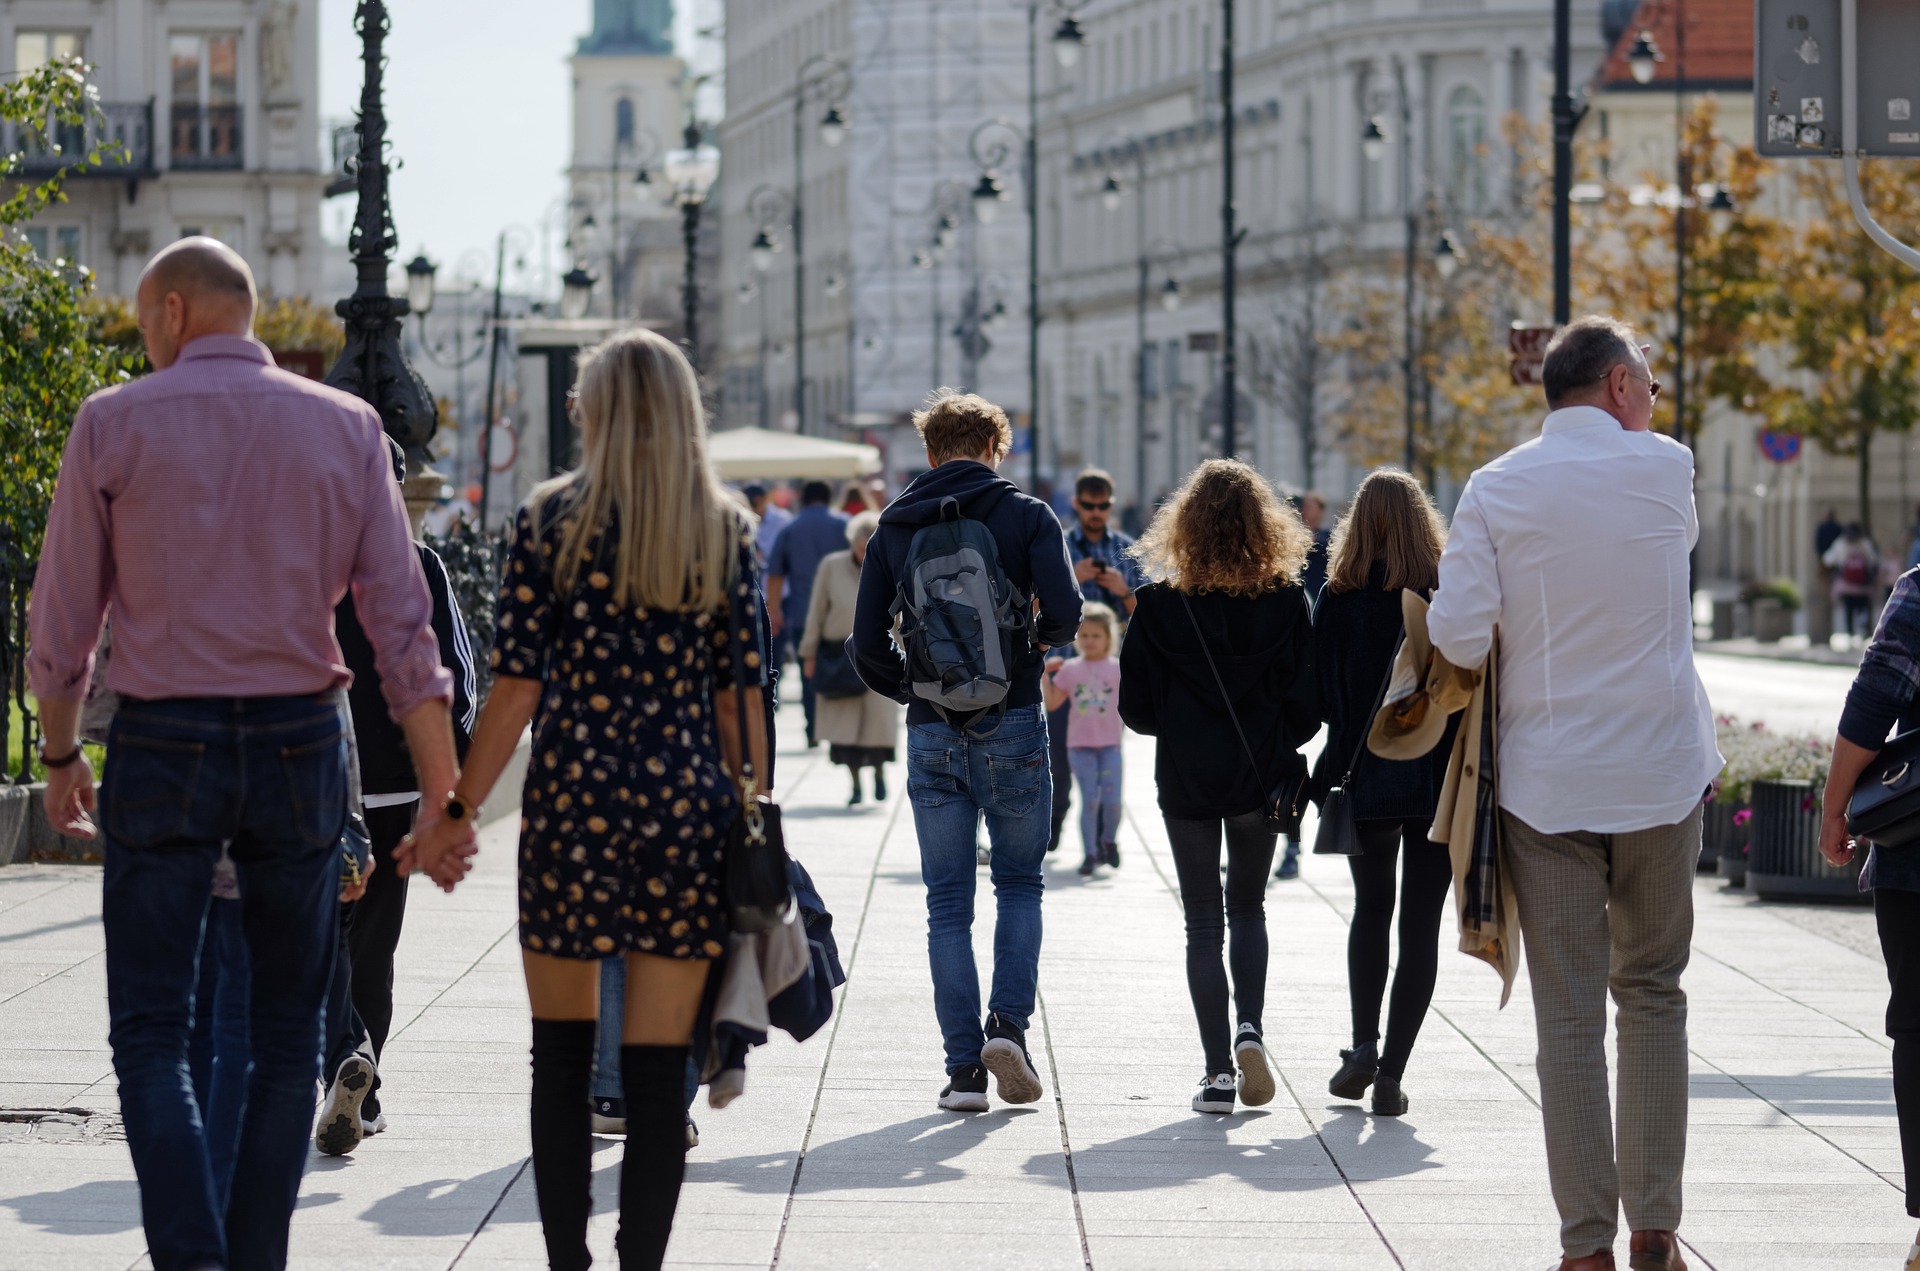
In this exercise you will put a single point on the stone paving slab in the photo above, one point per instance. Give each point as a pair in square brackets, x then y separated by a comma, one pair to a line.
[837, 1157]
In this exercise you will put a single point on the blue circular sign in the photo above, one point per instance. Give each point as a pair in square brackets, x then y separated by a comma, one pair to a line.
[1780, 447]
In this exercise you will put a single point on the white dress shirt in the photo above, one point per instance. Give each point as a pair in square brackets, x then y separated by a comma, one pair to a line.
[1575, 544]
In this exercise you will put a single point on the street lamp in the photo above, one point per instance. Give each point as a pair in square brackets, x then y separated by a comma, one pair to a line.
[1446, 256]
[1069, 41]
[987, 196]
[761, 253]
[1110, 196]
[576, 293]
[420, 273]
[1170, 294]
[1721, 210]
[646, 150]
[1373, 142]
[373, 366]
[820, 77]
[1643, 59]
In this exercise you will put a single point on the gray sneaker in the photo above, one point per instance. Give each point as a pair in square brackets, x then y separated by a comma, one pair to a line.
[1005, 1056]
[340, 1128]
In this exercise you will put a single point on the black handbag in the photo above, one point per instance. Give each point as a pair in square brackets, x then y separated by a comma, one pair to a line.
[833, 673]
[1885, 807]
[1337, 835]
[1283, 799]
[758, 895]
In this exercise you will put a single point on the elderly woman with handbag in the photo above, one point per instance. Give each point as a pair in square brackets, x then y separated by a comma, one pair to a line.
[859, 726]
[1218, 667]
[1377, 812]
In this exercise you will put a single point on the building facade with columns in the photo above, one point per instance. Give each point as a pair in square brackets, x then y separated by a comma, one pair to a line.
[217, 105]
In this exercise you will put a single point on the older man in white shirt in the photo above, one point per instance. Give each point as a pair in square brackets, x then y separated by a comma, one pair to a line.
[1575, 546]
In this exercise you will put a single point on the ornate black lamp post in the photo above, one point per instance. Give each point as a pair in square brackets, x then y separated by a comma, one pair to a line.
[373, 366]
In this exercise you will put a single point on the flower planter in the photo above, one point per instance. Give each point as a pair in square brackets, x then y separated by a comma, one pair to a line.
[1732, 865]
[1784, 862]
[1772, 621]
[1723, 834]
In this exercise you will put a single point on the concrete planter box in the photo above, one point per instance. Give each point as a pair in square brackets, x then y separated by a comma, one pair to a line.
[1772, 621]
[1785, 863]
[1720, 837]
[27, 835]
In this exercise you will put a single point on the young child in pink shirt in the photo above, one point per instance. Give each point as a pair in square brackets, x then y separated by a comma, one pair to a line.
[1092, 682]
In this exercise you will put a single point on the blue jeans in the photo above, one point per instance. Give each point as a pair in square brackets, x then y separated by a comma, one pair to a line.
[952, 779]
[221, 1052]
[268, 776]
[606, 1046]
[1097, 769]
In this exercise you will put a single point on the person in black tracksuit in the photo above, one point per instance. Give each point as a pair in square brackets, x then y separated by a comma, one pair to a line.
[360, 1006]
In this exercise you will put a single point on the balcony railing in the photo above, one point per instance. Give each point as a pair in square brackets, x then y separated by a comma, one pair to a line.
[124, 128]
[206, 136]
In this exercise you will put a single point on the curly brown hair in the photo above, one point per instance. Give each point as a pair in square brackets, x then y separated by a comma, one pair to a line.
[1224, 530]
[956, 425]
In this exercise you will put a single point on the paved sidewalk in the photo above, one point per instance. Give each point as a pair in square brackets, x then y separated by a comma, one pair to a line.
[837, 1157]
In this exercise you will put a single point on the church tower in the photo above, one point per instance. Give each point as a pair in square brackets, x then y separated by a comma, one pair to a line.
[629, 94]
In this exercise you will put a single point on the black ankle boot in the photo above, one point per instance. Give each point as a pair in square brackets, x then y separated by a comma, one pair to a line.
[1356, 1073]
[855, 799]
[562, 1137]
[879, 784]
[655, 1079]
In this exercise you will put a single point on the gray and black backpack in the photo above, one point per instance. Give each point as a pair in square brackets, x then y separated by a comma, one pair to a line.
[961, 619]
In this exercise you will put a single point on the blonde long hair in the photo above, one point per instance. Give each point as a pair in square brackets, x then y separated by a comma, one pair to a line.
[644, 473]
[1392, 521]
[1224, 530]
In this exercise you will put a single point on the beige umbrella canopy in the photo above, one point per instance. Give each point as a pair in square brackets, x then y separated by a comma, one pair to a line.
[743, 454]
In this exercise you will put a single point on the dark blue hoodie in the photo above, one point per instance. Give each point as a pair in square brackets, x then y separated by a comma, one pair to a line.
[1033, 552]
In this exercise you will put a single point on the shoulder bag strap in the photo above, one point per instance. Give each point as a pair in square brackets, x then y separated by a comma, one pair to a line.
[1222, 686]
[1366, 725]
[749, 781]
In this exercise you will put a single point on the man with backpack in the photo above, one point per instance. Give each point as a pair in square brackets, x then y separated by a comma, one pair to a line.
[1855, 567]
[977, 574]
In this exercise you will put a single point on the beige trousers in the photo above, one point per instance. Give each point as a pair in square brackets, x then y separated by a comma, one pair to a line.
[1600, 913]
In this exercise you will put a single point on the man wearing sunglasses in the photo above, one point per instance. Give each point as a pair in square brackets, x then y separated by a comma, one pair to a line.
[1107, 572]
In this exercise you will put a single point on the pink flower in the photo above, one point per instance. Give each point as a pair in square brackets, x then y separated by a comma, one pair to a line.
[1807, 802]
[1743, 816]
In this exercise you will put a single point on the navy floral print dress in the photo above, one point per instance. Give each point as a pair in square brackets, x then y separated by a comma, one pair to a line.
[627, 802]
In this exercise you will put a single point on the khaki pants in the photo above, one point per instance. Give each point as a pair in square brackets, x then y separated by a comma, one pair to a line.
[1607, 912]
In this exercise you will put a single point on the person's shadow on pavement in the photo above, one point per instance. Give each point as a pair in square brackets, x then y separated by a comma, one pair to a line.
[912, 1153]
[101, 1207]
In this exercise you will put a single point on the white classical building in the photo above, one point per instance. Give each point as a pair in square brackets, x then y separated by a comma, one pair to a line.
[217, 105]
[1140, 105]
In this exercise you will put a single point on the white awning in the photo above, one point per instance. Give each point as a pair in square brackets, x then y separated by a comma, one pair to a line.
[743, 454]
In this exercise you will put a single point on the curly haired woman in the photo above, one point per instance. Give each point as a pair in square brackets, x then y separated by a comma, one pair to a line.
[1225, 557]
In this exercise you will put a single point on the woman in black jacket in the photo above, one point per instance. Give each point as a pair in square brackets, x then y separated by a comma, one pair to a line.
[1225, 556]
[1389, 540]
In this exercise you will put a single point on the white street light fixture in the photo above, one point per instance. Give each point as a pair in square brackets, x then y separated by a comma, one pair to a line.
[1110, 194]
[987, 197]
[1170, 294]
[1446, 257]
[1721, 210]
[835, 284]
[761, 253]
[923, 260]
[1373, 142]
[1069, 41]
[943, 236]
[420, 285]
[1643, 59]
[833, 126]
[576, 293]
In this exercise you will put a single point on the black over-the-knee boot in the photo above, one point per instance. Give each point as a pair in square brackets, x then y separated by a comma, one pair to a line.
[655, 1079]
[562, 1140]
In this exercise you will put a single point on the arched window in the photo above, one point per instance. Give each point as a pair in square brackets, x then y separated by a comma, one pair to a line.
[623, 121]
[1467, 137]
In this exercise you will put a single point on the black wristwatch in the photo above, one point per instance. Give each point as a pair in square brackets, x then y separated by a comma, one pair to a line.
[456, 809]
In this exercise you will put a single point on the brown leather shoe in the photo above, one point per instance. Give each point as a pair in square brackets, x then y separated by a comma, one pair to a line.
[1655, 1251]
[1601, 1261]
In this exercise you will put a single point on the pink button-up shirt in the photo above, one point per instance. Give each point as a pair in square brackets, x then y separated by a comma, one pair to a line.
[223, 507]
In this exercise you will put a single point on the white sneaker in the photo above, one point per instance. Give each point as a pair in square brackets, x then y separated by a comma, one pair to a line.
[1215, 1094]
[339, 1131]
[376, 1126]
[1256, 1067]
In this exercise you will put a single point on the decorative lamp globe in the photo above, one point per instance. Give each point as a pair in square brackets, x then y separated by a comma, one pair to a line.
[761, 253]
[833, 126]
[1069, 41]
[1643, 58]
[1373, 142]
[1110, 194]
[987, 197]
[576, 292]
[420, 274]
[1170, 294]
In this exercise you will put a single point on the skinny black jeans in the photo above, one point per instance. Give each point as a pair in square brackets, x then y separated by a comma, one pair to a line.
[1422, 890]
[1898, 916]
[1210, 916]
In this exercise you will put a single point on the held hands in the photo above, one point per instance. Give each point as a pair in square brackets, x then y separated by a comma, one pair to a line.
[1835, 844]
[443, 850]
[69, 798]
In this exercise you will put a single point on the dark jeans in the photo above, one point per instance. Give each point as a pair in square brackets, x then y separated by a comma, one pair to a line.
[952, 779]
[1196, 860]
[1859, 615]
[360, 1001]
[1421, 886]
[1060, 764]
[220, 1054]
[268, 776]
[1898, 915]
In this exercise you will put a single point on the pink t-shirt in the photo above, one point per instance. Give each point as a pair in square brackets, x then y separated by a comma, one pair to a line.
[1093, 694]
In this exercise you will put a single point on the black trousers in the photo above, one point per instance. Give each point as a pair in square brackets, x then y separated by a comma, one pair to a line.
[1058, 761]
[360, 1000]
[1211, 917]
[1898, 916]
[1422, 886]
